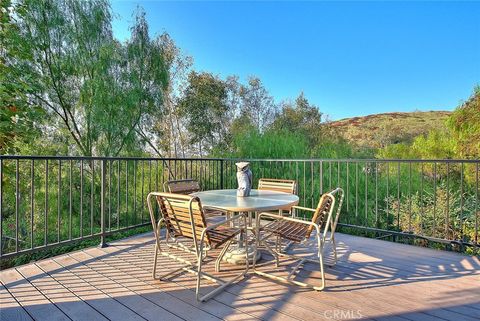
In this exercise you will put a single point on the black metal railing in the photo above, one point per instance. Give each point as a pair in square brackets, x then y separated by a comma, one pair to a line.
[47, 201]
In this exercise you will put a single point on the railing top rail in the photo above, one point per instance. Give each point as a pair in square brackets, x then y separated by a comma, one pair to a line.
[104, 158]
[29, 157]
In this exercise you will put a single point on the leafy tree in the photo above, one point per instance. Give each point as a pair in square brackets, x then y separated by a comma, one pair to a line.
[300, 116]
[256, 104]
[65, 45]
[95, 90]
[18, 115]
[145, 82]
[241, 125]
[168, 126]
[464, 125]
[204, 106]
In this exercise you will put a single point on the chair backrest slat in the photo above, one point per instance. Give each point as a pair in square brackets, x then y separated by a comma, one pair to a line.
[279, 185]
[182, 186]
[183, 215]
[323, 211]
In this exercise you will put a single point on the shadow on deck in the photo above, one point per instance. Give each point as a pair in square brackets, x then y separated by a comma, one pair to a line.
[373, 280]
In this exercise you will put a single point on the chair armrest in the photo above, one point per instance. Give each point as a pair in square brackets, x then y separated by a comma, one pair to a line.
[290, 219]
[155, 194]
[304, 208]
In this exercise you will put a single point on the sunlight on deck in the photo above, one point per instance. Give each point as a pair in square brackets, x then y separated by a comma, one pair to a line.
[373, 280]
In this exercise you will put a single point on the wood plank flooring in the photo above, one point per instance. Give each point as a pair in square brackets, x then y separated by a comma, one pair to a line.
[373, 280]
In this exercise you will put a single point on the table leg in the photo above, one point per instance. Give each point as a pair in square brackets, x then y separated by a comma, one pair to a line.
[237, 254]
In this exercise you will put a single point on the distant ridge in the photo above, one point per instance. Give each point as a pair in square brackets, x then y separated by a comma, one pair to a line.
[379, 130]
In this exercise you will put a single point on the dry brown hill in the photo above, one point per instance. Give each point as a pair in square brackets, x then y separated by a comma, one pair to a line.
[378, 130]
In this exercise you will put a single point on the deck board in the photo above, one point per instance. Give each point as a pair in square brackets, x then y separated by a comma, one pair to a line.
[376, 279]
[10, 309]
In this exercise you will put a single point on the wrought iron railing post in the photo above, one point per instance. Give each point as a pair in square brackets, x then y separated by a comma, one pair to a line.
[1, 207]
[221, 174]
[103, 243]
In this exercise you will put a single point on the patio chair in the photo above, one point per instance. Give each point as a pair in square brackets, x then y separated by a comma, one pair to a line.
[299, 231]
[182, 186]
[184, 218]
[188, 186]
[278, 185]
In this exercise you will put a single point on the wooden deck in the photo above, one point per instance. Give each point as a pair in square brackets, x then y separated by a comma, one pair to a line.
[373, 280]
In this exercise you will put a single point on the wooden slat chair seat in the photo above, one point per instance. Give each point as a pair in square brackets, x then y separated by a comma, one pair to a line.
[292, 231]
[215, 238]
[221, 234]
[189, 186]
[297, 231]
[184, 218]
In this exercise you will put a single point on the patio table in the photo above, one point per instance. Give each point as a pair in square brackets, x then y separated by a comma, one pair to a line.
[258, 201]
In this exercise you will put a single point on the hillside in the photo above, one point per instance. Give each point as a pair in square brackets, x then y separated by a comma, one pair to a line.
[378, 130]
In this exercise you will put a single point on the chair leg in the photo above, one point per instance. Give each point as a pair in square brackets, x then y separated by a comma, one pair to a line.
[334, 246]
[271, 251]
[155, 260]
[223, 284]
[255, 250]
[320, 258]
[277, 249]
[219, 259]
[302, 260]
[199, 275]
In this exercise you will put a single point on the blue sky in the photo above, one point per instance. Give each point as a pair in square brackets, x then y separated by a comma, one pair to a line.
[350, 58]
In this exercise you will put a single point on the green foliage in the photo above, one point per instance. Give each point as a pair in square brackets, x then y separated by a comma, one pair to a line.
[442, 212]
[435, 145]
[204, 105]
[66, 204]
[256, 104]
[95, 90]
[169, 136]
[300, 117]
[331, 148]
[465, 126]
[270, 144]
[18, 117]
[460, 140]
